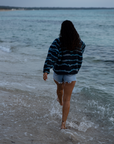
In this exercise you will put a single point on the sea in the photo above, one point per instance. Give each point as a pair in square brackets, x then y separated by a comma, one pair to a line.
[29, 111]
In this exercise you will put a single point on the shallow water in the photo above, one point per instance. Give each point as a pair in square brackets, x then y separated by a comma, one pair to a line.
[29, 112]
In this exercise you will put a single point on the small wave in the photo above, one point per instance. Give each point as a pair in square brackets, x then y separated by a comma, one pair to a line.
[84, 126]
[5, 49]
[1, 41]
[102, 61]
[111, 119]
[109, 61]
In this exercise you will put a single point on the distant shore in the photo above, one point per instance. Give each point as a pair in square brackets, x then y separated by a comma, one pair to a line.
[11, 8]
[5, 10]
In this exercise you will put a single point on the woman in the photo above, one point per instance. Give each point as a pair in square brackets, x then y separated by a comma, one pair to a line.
[65, 57]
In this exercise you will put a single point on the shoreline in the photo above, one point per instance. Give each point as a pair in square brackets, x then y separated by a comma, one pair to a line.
[10, 10]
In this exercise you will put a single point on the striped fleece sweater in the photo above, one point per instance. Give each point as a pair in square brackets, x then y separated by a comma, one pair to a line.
[62, 60]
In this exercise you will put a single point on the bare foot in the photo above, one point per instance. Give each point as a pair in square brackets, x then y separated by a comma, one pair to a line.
[63, 125]
[60, 102]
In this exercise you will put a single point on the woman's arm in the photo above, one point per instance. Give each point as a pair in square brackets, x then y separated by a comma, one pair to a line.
[52, 56]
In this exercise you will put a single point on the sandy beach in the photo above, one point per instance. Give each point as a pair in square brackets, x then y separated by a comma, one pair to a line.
[10, 10]
[26, 119]
[7, 9]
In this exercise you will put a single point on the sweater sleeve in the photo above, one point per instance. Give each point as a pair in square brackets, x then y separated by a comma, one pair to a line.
[82, 46]
[52, 56]
[81, 53]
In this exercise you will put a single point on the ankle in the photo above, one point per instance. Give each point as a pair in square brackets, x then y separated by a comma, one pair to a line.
[63, 122]
[63, 125]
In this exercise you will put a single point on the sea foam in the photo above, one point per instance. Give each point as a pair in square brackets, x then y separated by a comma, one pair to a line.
[5, 49]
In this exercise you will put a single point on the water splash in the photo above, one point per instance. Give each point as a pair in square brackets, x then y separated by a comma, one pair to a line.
[5, 49]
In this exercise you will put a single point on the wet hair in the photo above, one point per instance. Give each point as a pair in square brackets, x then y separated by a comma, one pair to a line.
[69, 37]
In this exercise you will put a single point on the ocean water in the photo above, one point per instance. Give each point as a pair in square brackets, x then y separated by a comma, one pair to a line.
[29, 112]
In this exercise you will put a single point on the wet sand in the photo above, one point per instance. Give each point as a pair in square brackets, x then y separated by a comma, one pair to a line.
[25, 119]
[33, 116]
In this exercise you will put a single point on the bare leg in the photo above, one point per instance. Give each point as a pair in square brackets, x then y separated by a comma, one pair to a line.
[68, 88]
[60, 88]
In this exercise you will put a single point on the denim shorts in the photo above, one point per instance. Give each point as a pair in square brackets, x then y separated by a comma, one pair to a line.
[64, 78]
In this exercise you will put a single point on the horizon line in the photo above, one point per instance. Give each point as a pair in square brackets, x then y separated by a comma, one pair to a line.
[57, 7]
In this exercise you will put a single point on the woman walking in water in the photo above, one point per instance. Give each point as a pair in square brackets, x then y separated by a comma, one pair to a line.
[65, 56]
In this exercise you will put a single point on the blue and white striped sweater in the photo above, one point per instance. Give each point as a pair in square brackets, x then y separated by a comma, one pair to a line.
[63, 61]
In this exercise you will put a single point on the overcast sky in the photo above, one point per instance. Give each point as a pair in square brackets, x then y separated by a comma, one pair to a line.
[58, 3]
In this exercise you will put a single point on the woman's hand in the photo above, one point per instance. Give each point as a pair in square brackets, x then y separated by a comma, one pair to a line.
[45, 76]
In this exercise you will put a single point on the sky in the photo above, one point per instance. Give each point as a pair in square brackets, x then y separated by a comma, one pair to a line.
[58, 3]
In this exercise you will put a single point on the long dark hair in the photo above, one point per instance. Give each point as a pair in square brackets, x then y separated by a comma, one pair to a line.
[69, 37]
